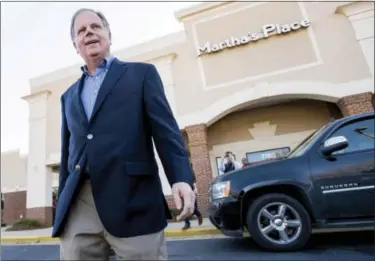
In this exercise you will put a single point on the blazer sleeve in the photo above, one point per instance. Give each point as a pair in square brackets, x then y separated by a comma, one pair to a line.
[65, 134]
[166, 134]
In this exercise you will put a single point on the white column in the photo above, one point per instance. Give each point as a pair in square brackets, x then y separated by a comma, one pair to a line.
[164, 67]
[39, 176]
[361, 16]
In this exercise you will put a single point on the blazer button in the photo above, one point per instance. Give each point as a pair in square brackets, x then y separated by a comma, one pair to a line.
[90, 136]
[78, 168]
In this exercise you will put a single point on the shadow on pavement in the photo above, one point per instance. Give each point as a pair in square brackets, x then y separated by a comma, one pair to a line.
[343, 240]
[328, 246]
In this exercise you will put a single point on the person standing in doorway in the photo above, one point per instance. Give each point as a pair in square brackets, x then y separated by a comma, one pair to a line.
[228, 163]
[110, 194]
[196, 213]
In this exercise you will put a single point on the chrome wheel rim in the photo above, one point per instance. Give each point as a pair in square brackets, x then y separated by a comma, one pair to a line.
[279, 223]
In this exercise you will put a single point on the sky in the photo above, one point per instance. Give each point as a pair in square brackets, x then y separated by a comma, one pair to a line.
[35, 40]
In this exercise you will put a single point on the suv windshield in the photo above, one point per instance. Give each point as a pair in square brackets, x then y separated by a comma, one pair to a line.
[306, 143]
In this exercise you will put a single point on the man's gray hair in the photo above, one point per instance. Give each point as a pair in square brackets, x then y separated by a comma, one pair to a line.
[99, 14]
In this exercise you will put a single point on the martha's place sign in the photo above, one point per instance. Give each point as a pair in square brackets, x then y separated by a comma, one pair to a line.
[266, 31]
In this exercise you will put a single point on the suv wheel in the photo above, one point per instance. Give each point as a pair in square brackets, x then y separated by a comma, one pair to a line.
[278, 222]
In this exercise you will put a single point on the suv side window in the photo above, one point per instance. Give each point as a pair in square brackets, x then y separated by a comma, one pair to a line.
[358, 135]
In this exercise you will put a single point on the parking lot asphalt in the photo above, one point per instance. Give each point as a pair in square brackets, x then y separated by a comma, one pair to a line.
[329, 246]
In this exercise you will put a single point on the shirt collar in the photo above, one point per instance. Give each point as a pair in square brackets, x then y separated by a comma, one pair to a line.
[104, 64]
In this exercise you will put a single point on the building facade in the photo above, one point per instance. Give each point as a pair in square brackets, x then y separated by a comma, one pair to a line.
[13, 184]
[241, 77]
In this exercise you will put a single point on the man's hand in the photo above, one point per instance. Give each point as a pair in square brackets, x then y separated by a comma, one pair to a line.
[184, 191]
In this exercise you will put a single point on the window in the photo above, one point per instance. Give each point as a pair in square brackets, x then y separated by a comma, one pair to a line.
[307, 143]
[267, 154]
[360, 136]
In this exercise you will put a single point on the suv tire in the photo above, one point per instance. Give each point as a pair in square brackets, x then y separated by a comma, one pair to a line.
[293, 208]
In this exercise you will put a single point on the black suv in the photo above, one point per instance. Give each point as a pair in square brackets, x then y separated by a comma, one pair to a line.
[327, 181]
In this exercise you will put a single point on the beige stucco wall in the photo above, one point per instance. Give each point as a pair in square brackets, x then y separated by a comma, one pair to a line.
[326, 52]
[13, 171]
[271, 127]
[326, 61]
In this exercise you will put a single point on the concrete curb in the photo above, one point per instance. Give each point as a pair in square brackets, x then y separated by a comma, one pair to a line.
[168, 233]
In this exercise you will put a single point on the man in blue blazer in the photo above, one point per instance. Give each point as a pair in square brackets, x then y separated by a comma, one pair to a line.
[110, 194]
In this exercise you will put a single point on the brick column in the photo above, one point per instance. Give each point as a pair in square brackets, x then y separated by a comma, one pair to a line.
[15, 206]
[358, 103]
[197, 136]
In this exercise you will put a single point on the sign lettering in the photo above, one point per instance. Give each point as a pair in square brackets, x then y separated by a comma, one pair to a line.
[266, 31]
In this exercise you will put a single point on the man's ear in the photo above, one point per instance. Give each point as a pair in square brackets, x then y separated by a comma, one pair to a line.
[75, 46]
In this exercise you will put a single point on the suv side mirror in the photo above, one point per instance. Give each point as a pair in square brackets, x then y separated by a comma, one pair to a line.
[334, 144]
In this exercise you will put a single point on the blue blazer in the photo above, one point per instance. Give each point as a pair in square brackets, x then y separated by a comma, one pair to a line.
[131, 110]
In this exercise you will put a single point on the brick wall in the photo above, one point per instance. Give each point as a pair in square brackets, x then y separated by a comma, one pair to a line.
[358, 103]
[199, 156]
[14, 206]
[42, 214]
[334, 110]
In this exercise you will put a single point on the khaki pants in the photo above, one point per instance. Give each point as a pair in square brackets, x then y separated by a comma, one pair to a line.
[85, 238]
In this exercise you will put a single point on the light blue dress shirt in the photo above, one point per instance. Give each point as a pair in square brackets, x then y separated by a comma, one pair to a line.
[92, 84]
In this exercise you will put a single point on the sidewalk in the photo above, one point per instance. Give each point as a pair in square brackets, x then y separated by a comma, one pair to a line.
[44, 235]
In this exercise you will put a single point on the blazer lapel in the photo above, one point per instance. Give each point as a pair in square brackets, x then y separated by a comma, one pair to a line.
[113, 75]
[78, 101]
